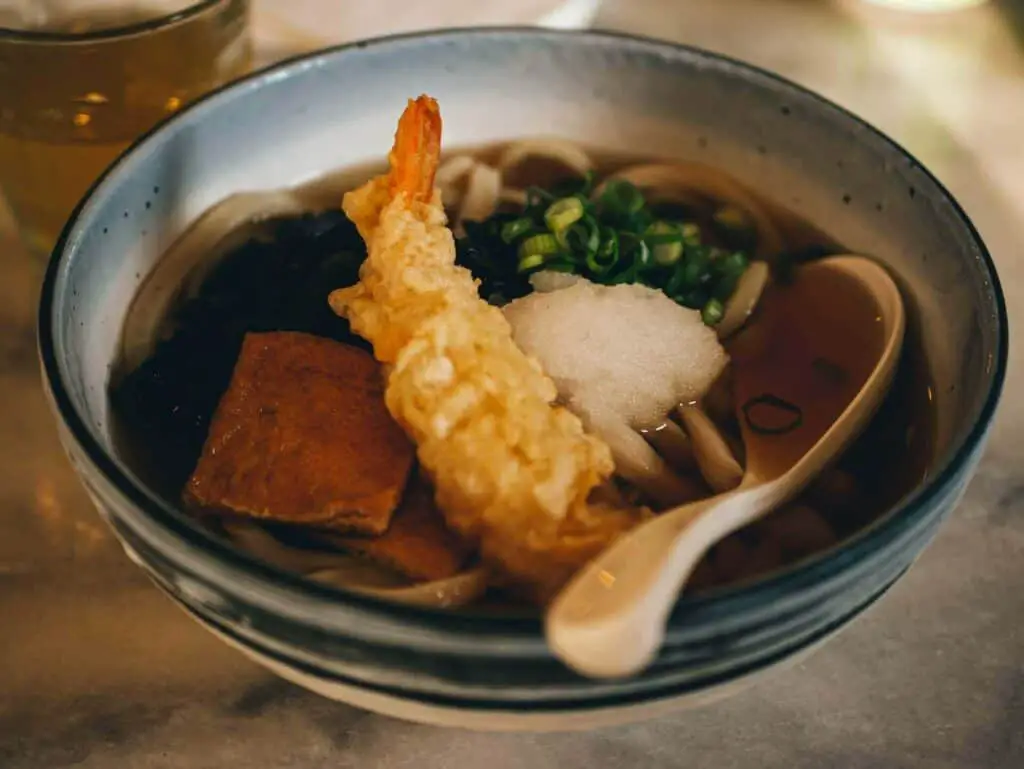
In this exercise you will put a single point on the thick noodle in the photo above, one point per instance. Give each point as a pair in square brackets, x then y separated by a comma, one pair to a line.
[482, 194]
[715, 459]
[744, 299]
[358, 575]
[455, 591]
[681, 181]
[672, 442]
[567, 153]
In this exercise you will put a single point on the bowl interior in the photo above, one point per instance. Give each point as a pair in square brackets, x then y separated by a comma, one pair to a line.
[337, 109]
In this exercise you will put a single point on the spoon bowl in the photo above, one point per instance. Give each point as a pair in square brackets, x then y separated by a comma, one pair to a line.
[609, 621]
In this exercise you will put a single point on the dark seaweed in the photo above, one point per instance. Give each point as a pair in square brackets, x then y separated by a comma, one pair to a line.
[279, 282]
[491, 260]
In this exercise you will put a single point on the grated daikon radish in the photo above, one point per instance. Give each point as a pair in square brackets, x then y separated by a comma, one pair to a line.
[618, 354]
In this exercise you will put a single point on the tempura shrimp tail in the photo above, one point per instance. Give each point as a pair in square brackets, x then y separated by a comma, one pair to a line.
[512, 471]
[412, 162]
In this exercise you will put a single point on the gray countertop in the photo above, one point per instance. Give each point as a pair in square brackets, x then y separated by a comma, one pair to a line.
[98, 670]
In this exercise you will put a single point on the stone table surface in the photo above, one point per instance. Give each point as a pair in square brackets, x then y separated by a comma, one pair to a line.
[98, 670]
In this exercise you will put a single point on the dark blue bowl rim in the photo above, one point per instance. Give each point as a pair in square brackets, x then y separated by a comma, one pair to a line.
[527, 631]
[619, 699]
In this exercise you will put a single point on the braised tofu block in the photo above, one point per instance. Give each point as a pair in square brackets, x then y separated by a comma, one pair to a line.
[302, 437]
[418, 544]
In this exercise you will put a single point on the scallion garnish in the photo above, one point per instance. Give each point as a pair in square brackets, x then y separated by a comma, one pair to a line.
[605, 256]
[634, 257]
[582, 238]
[621, 198]
[666, 241]
[539, 245]
[697, 270]
[712, 312]
[695, 299]
[674, 285]
[563, 213]
[610, 238]
[732, 264]
[510, 231]
[531, 262]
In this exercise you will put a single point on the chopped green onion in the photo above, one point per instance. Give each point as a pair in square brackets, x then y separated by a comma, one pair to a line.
[675, 282]
[583, 237]
[730, 269]
[732, 264]
[622, 198]
[563, 213]
[539, 245]
[634, 246]
[666, 240]
[510, 231]
[604, 257]
[530, 262]
[661, 233]
[695, 299]
[668, 253]
[712, 312]
[637, 256]
[614, 238]
[697, 270]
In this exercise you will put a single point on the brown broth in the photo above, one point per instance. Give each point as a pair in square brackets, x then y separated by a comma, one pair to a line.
[813, 346]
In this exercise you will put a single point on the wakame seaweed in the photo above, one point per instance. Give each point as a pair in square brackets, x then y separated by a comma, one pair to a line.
[277, 282]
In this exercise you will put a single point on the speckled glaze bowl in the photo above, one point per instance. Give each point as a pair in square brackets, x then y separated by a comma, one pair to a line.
[339, 107]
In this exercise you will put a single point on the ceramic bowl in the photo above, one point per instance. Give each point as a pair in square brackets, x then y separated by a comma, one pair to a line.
[338, 108]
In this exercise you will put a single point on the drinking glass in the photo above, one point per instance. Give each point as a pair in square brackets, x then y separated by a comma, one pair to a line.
[81, 79]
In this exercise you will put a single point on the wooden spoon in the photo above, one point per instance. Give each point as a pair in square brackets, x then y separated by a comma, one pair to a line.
[811, 371]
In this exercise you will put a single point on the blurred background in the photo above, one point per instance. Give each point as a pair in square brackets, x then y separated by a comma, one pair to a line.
[943, 77]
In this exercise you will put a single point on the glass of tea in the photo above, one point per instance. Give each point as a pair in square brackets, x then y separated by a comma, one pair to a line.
[81, 79]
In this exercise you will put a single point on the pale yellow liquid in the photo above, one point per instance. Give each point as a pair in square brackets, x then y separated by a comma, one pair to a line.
[68, 109]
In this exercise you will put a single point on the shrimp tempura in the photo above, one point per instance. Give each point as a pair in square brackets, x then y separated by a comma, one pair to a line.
[512, 471]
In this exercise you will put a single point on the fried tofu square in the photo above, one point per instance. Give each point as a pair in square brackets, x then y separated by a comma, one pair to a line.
[418, 544]
[302, 437]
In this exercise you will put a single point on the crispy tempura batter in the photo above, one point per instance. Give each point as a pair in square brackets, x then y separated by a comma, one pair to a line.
[512, 471]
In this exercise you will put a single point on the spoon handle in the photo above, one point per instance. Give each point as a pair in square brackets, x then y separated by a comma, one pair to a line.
[610, 619]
